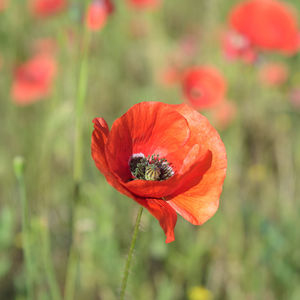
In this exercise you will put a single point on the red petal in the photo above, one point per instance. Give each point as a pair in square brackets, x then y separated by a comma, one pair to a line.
[193, 175]
[162, 211]
[200, 202]
[99, 140]
[97, 14]
[33, 80]
[268, 24]
[152, 189]
[204, 87]
[44, 8]
[148, 128]
[144, 3]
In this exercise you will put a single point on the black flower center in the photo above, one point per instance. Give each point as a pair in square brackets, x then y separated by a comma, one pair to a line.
[150, 168]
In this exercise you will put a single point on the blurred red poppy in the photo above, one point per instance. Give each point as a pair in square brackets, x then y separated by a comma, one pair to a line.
[33, 80]
[236, 46]
[269, 25]
[3, 4]
[46, 8]
[204, 87]
[97, 14]
[168, 158]
[144, 3]
[273, 73]
[224, 114]
[188, 45]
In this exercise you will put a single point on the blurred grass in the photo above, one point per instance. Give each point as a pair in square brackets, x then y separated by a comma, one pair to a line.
[248, 250]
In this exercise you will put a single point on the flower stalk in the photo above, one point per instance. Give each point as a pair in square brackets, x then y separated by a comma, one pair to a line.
[19, 173]
[130, 253]
[46, 256]
[73, 258]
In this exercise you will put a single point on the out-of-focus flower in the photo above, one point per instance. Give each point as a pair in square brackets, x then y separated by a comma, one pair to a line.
[188, 46]
[199, 293]
[204, 87]
[142, 4]
[273, 73]
[268, 25]
[168, 158]
[3, 4]
[295, 97]
[236, 46]
[46, 8]
[97, 14]
[224, 114]
[33, 79]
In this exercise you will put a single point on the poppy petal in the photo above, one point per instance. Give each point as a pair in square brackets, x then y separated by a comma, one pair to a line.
[268, 24]
[204, 87]
[97, 14]
[164, 213]
[45, 8]
[200, 202]
[148, 128]
[141, 4]
[34, 79]
[99, 139]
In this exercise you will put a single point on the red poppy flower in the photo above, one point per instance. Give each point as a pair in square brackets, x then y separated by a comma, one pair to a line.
[273, 73]
[266, 24]
[3, 4]
[237, 46]
[141, 4]
[46, 8]
[204, 87]
[33, 80]
[97, 14]
[168, 158]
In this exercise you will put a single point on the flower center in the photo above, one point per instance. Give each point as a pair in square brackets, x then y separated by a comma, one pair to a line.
[150, 168]
[196, 92]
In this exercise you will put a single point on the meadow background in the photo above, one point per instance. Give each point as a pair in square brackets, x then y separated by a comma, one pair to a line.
[249, 250]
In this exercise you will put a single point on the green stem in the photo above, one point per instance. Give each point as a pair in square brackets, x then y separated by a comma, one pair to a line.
[80, 101]
[19, 172]
[73, 259]
[129, 258]
[50, 273]
[71, 273]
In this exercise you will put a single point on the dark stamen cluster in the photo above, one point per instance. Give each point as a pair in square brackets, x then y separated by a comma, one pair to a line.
[150, 168]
